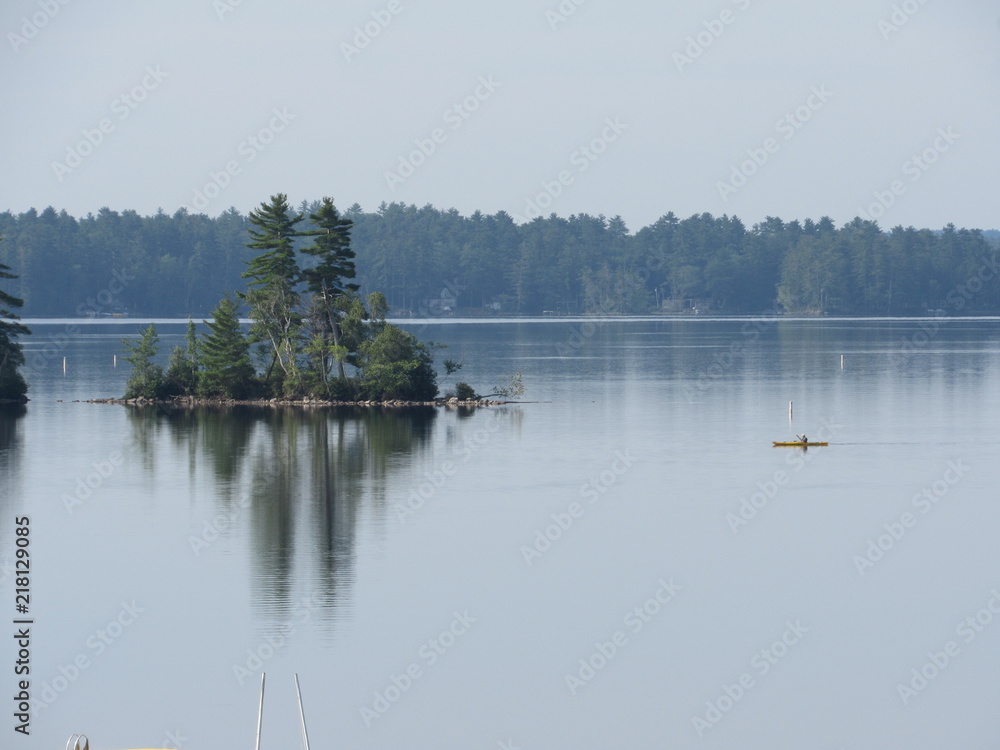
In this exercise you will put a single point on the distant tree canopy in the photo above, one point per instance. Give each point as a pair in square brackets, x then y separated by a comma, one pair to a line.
[432, 261]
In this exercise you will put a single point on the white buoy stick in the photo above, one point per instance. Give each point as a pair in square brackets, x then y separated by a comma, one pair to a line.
[260, 711]
[64, 365]
[302, 715]
[789, 411]
[841, 361]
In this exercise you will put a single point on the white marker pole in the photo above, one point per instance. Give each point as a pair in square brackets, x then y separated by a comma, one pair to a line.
[260, 711]
[302, 715]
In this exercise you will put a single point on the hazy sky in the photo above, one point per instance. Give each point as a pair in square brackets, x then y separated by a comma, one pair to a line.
[746, 107]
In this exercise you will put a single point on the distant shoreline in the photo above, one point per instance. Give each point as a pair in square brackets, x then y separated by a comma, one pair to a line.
[536, 319]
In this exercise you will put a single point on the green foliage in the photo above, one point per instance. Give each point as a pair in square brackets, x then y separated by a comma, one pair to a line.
[165, 265]
[397, 366]
[354, 327]
[191, 340]
[271, 289]
[182, 368]
[378, 307]
[618, 291]
[272, 231]
[182, 373]
[332, 251]
[450, 368]
[321, 351]
[465, 392]
[326, 280]
[147, 379]
[342, 389]
[226, 369]
[12, 384]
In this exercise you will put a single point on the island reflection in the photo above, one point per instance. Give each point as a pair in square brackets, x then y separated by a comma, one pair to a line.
[296, 480]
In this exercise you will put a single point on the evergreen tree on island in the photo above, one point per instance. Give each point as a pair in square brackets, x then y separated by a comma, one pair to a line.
[224, 356]
[271, 292]
[147, 379]
[326, 280]
[182, 370]
[12, 384]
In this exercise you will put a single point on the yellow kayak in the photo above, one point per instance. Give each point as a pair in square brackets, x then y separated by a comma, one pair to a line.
[795, 444]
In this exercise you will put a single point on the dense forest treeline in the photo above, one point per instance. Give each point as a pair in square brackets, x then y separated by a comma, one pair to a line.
[437, 262]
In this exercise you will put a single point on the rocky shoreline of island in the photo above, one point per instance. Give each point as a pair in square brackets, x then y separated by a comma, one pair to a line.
[193, 402]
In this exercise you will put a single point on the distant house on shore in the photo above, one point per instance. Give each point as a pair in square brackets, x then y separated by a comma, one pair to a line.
[444, 304]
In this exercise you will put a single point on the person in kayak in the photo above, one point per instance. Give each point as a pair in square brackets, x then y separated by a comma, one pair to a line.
[804, 439]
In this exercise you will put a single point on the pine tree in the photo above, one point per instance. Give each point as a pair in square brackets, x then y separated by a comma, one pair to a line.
[326, 280]
[12, 384]
[182, 370]
[224, 356]
[271, 291]
[147, 379]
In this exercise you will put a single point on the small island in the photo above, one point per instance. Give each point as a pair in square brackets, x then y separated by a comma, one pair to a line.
[313, 340]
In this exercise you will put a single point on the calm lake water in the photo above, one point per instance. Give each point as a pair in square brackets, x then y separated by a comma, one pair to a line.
[625, 562]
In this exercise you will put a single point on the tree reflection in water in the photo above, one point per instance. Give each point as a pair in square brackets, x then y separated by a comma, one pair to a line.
[298, 477]
[10, 460]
